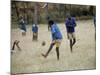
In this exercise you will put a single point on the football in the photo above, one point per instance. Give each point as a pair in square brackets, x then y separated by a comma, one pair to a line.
[43, 43]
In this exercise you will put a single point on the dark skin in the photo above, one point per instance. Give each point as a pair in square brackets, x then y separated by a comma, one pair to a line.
[72, 42]
[71, 45]
[49, 50]
[57, 51]
[16, 43]
[35, 37]
[23, 33]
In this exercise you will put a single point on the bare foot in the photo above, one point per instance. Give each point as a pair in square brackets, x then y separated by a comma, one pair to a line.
[44, 55]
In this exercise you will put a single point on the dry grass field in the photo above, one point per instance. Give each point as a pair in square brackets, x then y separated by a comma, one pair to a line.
[29, 59]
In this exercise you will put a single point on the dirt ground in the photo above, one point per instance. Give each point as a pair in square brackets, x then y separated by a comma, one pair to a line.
[29, 59]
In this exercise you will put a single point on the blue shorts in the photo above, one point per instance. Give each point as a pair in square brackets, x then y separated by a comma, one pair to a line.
[70, 29]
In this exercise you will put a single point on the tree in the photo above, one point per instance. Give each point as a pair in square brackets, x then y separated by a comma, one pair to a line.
[17, 11]
[35, 14]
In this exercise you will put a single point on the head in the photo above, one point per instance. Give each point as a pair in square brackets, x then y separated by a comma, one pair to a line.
[33, 25]
[50, 23]
[48, 18]
[21, 17]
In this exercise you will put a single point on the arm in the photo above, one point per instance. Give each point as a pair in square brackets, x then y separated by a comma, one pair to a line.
[73, 22]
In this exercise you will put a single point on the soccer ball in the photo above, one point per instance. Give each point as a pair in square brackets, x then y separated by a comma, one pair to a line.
[43, 43]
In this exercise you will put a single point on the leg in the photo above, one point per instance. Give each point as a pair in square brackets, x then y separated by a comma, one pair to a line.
[57, 51]
[36, 36]
[71, 44]
[33, 37]
[74, 38]
[50, 48]
[95, 34]
[74, 41]
[14, 45]
[69, 35]
[58, 42]
[22, 33]
[17, 44]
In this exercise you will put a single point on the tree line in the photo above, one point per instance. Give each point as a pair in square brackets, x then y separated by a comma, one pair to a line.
[36, 12]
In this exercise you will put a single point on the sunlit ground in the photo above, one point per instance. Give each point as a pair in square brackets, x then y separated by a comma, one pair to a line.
[29, 60]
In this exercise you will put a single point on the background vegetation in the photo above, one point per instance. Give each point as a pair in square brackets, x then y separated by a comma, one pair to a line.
[36, 12]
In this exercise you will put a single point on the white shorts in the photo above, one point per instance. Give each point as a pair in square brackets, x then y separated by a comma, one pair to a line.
[23, 31]
[35, 34]
[71, 35]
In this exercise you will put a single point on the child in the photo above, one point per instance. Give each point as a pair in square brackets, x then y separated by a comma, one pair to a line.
[35, 32]
[16, 43]
[22, 26]
[70, 27]
[56, 38]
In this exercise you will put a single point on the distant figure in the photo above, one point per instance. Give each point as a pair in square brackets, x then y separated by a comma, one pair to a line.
[70, 27]
[16, 43]
[56, 38]
[35, 32]
[22, 26]
[94, 19]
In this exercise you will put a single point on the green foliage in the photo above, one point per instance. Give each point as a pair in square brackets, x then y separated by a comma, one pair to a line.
[57, 12]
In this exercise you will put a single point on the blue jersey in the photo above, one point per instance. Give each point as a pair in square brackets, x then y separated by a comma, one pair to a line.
[70, 25]
[22, 25]
[56, 34]
[35, 29]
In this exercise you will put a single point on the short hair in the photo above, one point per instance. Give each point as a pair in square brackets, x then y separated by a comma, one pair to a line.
[48, 18]
[51, 22]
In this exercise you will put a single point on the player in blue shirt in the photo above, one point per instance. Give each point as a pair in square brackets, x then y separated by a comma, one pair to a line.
[70, 27]
[35, 32]
[56, 38]
[22, 26]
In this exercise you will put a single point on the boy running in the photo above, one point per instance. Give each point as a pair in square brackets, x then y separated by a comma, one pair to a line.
[70, 27]
[35, 32]
[56, 38]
